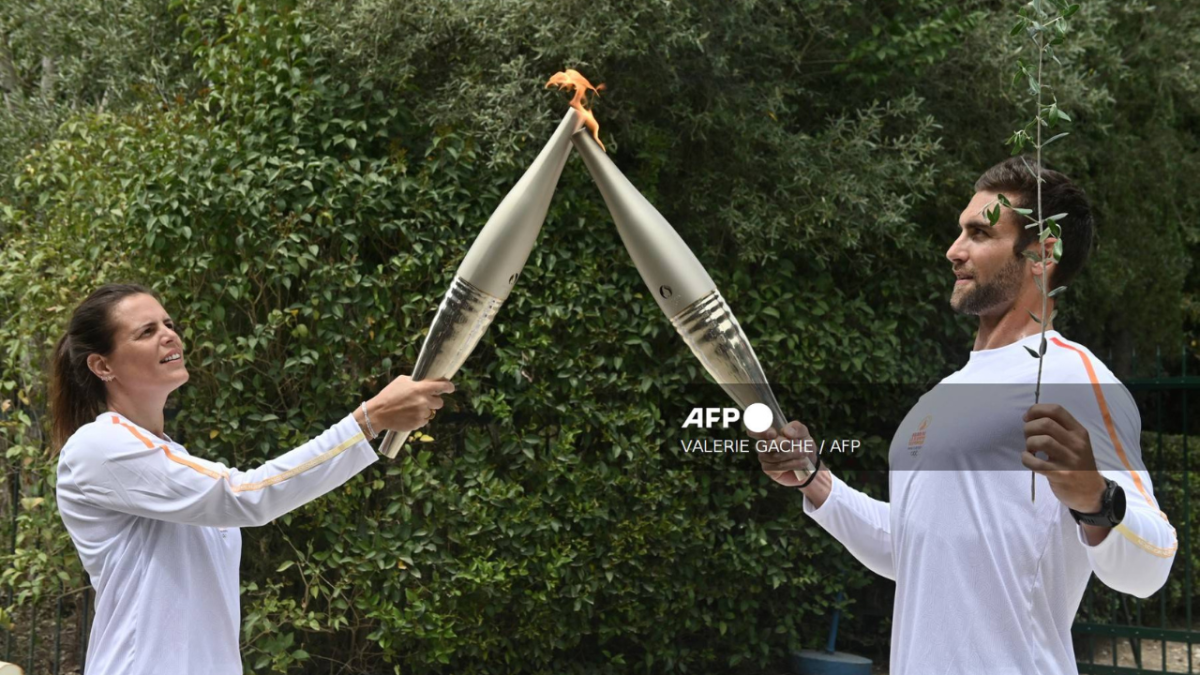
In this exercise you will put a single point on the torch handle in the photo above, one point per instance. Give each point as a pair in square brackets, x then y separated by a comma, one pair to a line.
[392, 442]
[778, 422]
[462, 318]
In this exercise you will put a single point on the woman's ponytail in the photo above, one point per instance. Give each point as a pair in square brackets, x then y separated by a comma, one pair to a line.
[77, 395]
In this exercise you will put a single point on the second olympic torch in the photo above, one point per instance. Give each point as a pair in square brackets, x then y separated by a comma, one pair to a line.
[491, 268]
[682, 288]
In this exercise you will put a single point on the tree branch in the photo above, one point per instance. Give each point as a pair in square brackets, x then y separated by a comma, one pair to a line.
[47, 84]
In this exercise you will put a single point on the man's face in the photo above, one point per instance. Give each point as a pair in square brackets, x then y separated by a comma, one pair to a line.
[989, 276]
[144, 336]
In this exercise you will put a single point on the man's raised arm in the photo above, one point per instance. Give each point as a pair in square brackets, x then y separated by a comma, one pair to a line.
[862, 524]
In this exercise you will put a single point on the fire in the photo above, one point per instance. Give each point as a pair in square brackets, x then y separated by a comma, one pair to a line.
[571, 79]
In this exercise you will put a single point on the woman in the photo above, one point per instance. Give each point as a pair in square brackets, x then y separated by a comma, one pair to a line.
[155, 527]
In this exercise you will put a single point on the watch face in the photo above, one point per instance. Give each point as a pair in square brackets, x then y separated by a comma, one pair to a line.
[1118, 505]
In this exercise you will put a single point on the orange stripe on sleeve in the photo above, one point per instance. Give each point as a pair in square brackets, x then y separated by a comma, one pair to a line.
[266, 482]
[171, 456]
[1108, 423]
[133, 430]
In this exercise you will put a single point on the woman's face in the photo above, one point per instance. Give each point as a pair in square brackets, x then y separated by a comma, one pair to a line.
[144, 337]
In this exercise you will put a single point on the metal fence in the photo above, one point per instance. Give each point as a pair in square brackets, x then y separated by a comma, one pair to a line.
[50, 635]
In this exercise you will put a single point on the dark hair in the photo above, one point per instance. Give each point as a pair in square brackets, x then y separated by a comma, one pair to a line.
[77, 396]
[1013, 179]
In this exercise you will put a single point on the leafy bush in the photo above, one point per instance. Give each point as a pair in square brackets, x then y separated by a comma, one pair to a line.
[302, 210]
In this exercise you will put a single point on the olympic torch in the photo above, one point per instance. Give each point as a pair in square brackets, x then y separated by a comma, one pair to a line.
[491, 268]
[682, 288]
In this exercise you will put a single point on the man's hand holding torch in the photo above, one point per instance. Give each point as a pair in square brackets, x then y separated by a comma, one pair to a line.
[793, 452]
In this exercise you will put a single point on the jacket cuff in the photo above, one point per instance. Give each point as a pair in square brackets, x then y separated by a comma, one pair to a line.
[818, 512]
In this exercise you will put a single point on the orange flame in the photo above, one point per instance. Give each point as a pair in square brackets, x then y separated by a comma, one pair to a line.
[571, 79]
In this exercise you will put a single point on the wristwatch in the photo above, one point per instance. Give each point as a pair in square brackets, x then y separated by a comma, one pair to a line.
[1112, 508]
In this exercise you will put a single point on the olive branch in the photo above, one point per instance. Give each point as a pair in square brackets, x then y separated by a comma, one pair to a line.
[1045, 24]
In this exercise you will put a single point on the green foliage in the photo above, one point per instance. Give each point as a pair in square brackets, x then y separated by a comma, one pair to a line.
[709, 100]
[60, 57]
[301, 226]
[302, 198]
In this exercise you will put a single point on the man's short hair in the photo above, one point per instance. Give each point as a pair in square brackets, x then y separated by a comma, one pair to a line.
[1013, 179]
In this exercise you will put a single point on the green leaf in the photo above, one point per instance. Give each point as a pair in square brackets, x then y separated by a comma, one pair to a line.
[1055, 292]
[1070, 11]
[1030, 350]
[285, 565]
[1016, 30]
[1029, 168]
[1034, 317]
[1058, 249]
[1055, 138]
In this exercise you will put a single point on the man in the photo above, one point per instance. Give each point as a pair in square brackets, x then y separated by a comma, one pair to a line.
[988, 579]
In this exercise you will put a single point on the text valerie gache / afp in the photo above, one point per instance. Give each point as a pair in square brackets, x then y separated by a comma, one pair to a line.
[748, 445]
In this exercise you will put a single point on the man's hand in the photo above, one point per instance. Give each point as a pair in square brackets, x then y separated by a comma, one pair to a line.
[1070, 466]
[794, 453]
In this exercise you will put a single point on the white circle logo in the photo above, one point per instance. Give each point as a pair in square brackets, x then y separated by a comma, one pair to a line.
[758, 417]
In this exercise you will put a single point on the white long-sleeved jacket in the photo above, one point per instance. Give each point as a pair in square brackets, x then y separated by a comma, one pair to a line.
[988, 581]
[157, 531]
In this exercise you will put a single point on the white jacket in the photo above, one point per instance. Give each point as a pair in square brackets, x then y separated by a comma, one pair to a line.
[988, 581]
[157, 531]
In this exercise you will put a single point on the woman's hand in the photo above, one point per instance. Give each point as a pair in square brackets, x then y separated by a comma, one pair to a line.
[406, 404]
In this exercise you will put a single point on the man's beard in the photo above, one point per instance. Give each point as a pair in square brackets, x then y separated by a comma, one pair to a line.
[978, 297]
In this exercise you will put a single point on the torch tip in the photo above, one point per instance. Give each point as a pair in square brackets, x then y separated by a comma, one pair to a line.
[572, 79]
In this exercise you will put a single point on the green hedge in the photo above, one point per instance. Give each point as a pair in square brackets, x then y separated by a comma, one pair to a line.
[301, 228]
[301, 222]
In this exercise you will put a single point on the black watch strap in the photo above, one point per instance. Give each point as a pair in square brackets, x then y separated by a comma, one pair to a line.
[816, 468]
[1112, 508]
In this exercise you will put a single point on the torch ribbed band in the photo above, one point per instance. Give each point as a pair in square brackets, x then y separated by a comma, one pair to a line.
[712, 332]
